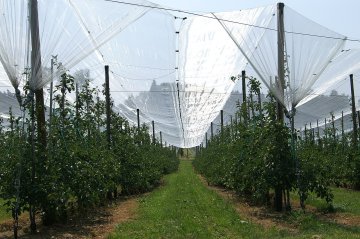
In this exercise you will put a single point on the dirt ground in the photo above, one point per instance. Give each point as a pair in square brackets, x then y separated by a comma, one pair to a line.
[269, 218]
[101, 221]
[96, 224]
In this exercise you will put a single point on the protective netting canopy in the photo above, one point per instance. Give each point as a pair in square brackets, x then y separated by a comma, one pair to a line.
[176, 70]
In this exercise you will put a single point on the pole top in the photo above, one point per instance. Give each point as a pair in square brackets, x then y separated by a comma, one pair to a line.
[280, 5]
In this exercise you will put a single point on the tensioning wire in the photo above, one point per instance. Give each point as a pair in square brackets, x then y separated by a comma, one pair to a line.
[231, 21]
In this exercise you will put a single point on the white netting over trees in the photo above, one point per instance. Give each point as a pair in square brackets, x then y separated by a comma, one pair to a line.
[177, 71]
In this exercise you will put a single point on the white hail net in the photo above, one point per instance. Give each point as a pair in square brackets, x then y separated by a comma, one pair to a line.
[177, 71]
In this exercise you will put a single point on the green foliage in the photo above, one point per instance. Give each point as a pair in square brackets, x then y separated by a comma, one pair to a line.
[253, 156]
[79, 169]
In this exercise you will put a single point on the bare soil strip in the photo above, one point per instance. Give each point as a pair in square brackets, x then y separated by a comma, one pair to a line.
[269, 218]
[95, 224]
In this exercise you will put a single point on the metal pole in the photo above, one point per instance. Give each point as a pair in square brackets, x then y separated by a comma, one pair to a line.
[355, 137]
[280, 84]
[153, 130]
[36, 73]
[206, 139]
[108, 106]
[138, 117]
[77, 100]
[51, 93]
[243, 77]
[342, 125]
[161, 142]
[222, 120]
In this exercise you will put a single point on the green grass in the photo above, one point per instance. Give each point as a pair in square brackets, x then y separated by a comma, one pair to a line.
[310, 226]
[3, 214]
[185, 208]
[345, 200]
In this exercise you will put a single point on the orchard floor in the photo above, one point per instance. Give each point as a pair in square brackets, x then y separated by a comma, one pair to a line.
[184, 206]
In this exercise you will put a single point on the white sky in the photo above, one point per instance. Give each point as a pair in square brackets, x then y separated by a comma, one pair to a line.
[342, 16]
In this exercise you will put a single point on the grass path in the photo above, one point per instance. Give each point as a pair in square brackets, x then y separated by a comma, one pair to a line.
[185, 208]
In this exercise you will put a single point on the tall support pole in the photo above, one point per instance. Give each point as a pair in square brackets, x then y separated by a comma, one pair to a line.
[161, 141]
[206, 140]
[153, 130]
[318, 130]
[51, 93]
[108, 106]
[36, 76]
[280, 85]
[353, 107]
[211, 131]
[244, 108]
[342, 125]
[138, 118]
[231, 127]
[77, 103]
[281, 61]
[222, 120]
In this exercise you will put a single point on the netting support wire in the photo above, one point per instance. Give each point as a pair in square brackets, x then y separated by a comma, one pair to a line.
[353, 107]
[108, 106]
[180, 114]
[291, 116]
[242, 51]
[17, 183]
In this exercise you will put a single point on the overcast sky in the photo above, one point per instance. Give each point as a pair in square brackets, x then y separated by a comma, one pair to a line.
[342, 16]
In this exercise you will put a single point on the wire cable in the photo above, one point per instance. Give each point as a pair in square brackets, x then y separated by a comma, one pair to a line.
[230, 21]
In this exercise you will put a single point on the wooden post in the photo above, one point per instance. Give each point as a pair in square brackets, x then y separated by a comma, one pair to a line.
[108, 106]
[138, 118]
[355, 137]
[153, 130]
[244, 108]
[280, 84]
